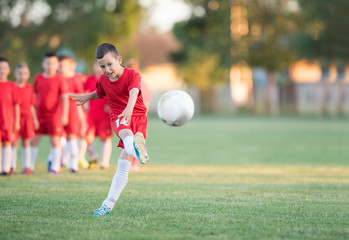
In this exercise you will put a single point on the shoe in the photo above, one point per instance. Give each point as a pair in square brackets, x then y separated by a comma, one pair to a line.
[5, 173]
[27, 171]
[54, 172]
[104, 167]
[93, 164]
[139, 145]
[12, 171]
[74, 171]
[83, 163]
[49, 166]
[103, 210]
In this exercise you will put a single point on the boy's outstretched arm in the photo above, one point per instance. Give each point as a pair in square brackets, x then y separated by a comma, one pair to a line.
[84, 97]
[127, 113]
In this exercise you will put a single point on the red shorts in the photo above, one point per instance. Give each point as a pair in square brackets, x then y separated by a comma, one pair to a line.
[73, 127]
[138, 124]
[7, 136]
[27, 130]
[50, 126]
[98, 127]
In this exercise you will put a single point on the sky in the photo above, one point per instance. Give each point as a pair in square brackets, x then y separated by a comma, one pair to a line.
[164, 13]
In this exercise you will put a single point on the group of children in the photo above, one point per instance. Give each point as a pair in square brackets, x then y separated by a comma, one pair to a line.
[45, 109]
[29, 112]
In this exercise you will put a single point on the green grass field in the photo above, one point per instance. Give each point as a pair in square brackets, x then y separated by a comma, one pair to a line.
[214, 178]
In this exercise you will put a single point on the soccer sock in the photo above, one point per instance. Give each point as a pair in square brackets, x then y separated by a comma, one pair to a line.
[26, 157]
[66, 155]
[56, 159]
[129, 147]
[14, 159]
[6, 158]
[82, 150]
[33, 154]
[74, 153]
[106, 148]
[91, 149]
[119, 182]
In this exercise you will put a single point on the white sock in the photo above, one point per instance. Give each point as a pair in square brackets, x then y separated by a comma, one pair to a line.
[26, 157]
[91, 149]
[66, 155]
[106, 148]
[56, 159]
[14, 158]
[82, 149]
[119, 182]
[74, 154]
[33, 154]
[6, 158]
[129, 147]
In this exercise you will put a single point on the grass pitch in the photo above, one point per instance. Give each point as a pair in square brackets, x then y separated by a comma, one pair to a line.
[214, 178]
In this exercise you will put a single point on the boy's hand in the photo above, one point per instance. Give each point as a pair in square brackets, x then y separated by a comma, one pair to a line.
[64, 120]
[17, 126]
[80, 98]
[126, 114]
[36, 124]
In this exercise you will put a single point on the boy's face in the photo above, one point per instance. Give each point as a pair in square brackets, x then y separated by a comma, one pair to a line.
[64, 68]
[50, 65]
[4, 70]
[22, 75]
[110, 65]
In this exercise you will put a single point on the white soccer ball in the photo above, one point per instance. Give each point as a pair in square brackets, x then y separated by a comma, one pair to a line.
[175, 108]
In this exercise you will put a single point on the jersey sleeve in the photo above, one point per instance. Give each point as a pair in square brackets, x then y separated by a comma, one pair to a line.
[135, 81]
[32, 98]
[99, 88]
[15, 95]
[63, 86]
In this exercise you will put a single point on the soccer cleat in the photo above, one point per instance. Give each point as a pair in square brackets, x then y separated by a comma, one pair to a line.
[49, 163]
[27, 171]
[103, 210]
[139, 145]
[83, 163]
[93, 164]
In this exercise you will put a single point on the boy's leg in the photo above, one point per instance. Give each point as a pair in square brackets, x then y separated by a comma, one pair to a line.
[14, 158]
[91, 149]
[6, 157]
[82, 152]
[119, 182]
[106, 148]
[26, 156]
[34, 150]
[74, 154]
[134, 144]
[56, 154]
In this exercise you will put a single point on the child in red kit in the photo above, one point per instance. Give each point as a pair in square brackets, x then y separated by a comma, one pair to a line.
[28, 120]
[98, 122]
[122, 87]
[52, 110]
[76, 115]
[9, 116]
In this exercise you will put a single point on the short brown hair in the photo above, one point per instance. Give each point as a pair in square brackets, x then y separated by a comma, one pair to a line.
[65, 57]
[105, 48]
[3, 59]
[21, 65]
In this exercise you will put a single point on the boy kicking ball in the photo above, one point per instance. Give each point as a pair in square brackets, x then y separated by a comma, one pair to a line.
[122, 87]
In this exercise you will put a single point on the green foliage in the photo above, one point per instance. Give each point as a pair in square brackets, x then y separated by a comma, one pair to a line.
[78, 25]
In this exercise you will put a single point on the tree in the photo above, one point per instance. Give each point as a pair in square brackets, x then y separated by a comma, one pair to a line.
[32, 27]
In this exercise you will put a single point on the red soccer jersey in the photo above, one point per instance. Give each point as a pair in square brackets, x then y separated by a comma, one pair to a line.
[27, 98]
[97, 107]
[8, 98]
[81, 77]
[118, 92]
[49, 91]
[74, 85]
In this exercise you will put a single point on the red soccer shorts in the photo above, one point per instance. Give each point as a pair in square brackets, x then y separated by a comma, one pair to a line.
[138, 124]
[7, 136]
[27, 128]
[50, 126]
[98, 127]
[73, 127]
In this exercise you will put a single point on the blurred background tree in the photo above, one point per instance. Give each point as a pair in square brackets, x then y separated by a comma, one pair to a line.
[29, 28]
